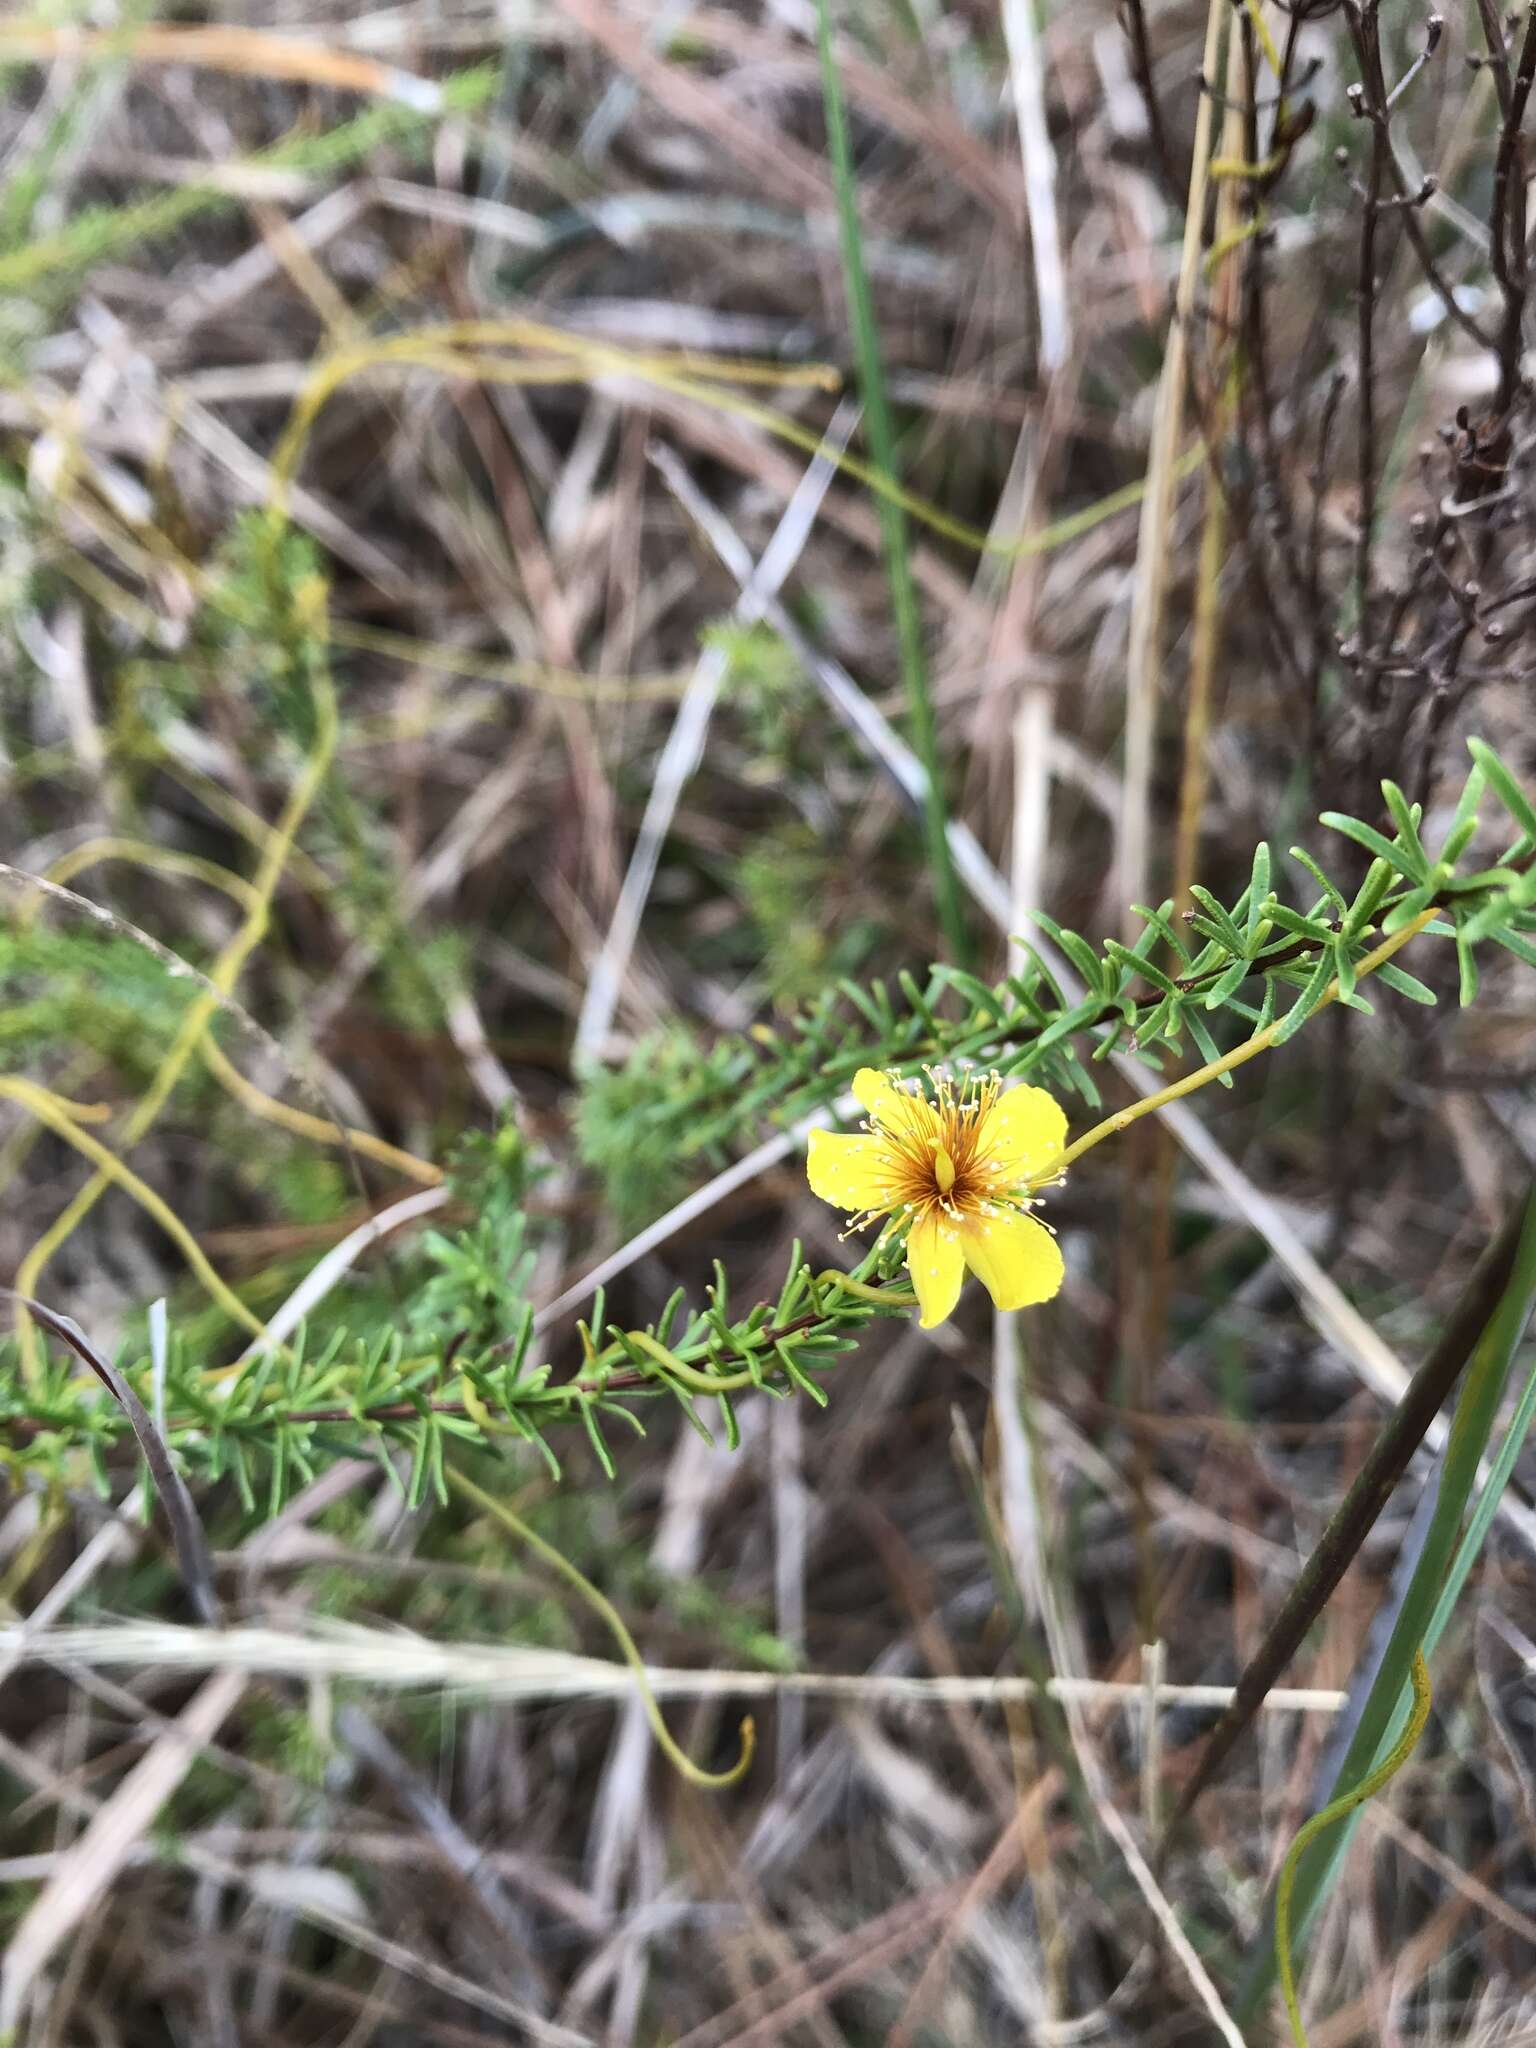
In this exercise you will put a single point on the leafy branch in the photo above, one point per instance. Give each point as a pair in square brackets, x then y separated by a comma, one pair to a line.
[270, 1423]
[1263, 962]
[461, 1363]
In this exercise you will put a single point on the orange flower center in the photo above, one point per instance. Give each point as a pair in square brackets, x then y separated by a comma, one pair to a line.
[934, 1157]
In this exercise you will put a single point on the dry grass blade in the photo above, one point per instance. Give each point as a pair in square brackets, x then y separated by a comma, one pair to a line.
[398, 1661]
[94, 1861]
[1155, 538]
[501, 758]
[685, 747]
[187, 1532]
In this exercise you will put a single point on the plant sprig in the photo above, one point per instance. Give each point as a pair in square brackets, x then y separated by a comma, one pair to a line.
[272, 1422]
[464, 1365]
[1257, 962]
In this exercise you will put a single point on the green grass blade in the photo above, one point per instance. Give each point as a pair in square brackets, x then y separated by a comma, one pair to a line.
[1386, 1706]
[893, 524]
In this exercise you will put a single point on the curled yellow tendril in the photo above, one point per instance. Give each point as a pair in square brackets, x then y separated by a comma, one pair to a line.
[609, 1615]
[1321, 1822]
[321, 1130]
[539, 354]
[309, 620]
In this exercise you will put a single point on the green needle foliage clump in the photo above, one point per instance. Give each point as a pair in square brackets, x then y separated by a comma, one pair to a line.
[460, 1361]
[97, 992]
[461, 1365]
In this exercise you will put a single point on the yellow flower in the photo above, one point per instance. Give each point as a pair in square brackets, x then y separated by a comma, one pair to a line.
[955, 1174]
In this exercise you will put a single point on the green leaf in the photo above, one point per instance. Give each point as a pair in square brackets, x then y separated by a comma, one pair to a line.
[1466, 960]
[1334, 895]
[1235, 975]
[1373, 892]
[1498, 912]
[916, 1000]
[864, 1006]
[668, 1314]
[1199, 1031]
[1161, 921]
[1048, 979]
[1306, 1002]
[1511, 795]
[1344, 970]
[1314, 931]
[732, 1426]
[691, 1414]
[1406, 817]
[975, 991]
[1077, 951]
[1457, 840]
[1465, 820]
[1222, 929]
[1134, 964]
[800, 1379]
[1501, 877]
[1400, 860]
[1406, 984]
[1258, 891]
[1513, 943]
[422, 1439]
[1408, 907]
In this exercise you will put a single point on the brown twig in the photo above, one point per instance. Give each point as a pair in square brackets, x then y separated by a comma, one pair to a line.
[1133, 19]
[1356, 1515]
[1507, 222]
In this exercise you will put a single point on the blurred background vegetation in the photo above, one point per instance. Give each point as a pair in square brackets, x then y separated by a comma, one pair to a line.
[543, 583]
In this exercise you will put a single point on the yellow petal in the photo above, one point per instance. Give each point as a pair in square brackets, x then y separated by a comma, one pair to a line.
[852, 1173]
[871, 1087]
[906, 1115]
[1015, 1258]
[936, 1265]
[1022, 1133]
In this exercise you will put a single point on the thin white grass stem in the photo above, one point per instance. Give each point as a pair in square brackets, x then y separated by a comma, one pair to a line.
[1154, 1661]
[398, 1661]
[684, 747]
[339, 1261]
[1027, 77]
[864, 721]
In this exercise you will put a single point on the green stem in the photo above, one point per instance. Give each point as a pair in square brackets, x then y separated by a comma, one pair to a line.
[610, 1616]
[1250, 1048]
[1338, 1810]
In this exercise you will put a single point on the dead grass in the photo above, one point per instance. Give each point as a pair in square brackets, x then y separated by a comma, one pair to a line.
[607, 284]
